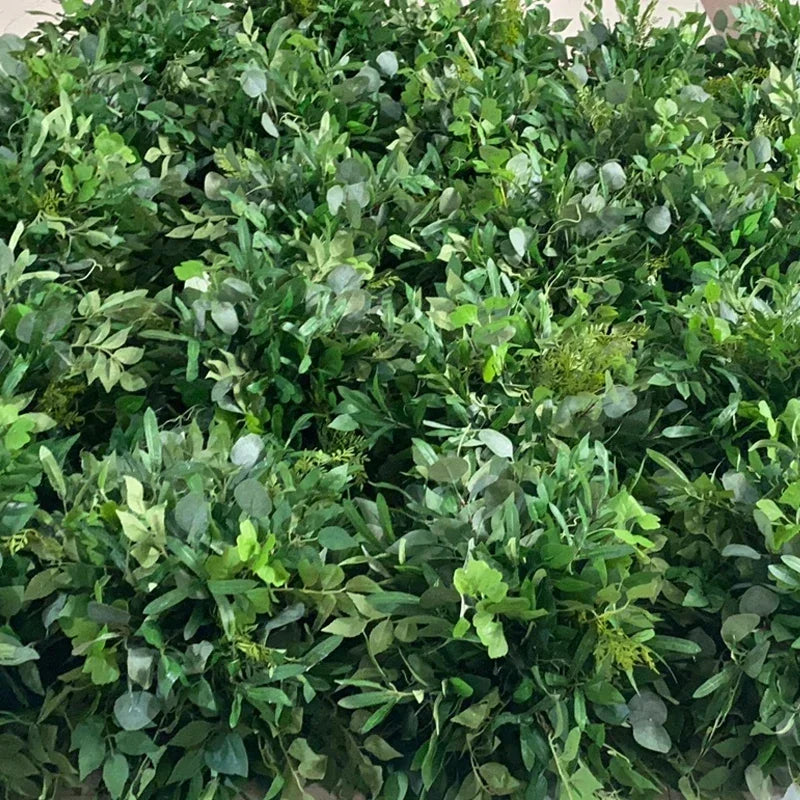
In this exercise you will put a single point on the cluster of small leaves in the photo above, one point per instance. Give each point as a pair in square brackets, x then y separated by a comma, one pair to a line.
[398, 398]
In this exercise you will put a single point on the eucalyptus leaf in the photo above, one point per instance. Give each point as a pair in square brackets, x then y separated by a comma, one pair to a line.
[254, 82]
[618, 401]
[737, 626]
[450, 201]
[387, 61]
[658, 219]
[448, 469]
[761, 149]
[135, 710]
[616, 92]
[652, 737]
[613, 175]
[247, 450]
[253, 498]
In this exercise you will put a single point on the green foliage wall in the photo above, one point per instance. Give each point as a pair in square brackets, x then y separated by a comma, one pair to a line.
[395, 399]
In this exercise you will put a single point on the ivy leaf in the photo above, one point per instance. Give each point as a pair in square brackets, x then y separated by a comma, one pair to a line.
[90, 756]
[226, 755]
[478, 579]
[311, 766]
[498, 780]
[491, 634]
[115, 774]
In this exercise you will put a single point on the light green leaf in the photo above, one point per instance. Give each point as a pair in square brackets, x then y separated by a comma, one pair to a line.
[53, 471]
[115, 774]
[405, 244]
[491, 634]
[152, 439]
[498, 780]
[12, 655]
[348, 627]
[311, 766]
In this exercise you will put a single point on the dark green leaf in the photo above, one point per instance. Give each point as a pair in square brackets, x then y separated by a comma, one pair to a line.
[226, 754]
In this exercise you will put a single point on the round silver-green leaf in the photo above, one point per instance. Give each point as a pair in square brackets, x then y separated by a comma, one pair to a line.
[254, 82]
[658, 219]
